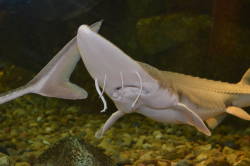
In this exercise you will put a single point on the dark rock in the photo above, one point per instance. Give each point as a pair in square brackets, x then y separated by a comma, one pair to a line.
[72, 151]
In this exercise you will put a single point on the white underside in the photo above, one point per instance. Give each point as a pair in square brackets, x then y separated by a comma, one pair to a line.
[164, 116]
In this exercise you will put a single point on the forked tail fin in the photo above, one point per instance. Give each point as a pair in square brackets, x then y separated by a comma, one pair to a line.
[12, 94]
[53, 79]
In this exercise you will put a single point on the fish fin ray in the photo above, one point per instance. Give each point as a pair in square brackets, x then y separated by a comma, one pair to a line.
[111, 120]
[239, 112]
[53, 79]
[65, 90]
[194, 119]
[246, 78]
[215, 121]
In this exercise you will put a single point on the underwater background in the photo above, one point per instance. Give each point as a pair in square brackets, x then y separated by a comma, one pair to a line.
[209, 38]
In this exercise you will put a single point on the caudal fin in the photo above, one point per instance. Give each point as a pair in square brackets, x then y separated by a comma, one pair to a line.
[53, 79]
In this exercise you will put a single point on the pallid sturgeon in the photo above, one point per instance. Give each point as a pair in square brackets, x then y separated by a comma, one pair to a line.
[136, 87]
[160, 95]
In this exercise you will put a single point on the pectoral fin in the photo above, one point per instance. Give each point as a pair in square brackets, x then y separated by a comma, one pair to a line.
[239, 112]
[193, 119]
[112, 119]
[215, 121]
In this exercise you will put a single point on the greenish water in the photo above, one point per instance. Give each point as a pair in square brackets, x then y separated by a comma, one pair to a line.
[191, 37]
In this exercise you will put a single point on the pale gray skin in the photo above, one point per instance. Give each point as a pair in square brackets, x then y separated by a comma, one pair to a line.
[160, 95]
[53, 79]
[136, 87]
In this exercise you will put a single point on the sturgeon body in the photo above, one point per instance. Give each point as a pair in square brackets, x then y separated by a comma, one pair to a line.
[210, 100]
[137, 87]
[164, 96]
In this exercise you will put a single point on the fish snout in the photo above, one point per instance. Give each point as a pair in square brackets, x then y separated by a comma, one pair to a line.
[83, 29]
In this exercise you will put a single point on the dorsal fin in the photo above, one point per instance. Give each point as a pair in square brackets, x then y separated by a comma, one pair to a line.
[246, 78]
